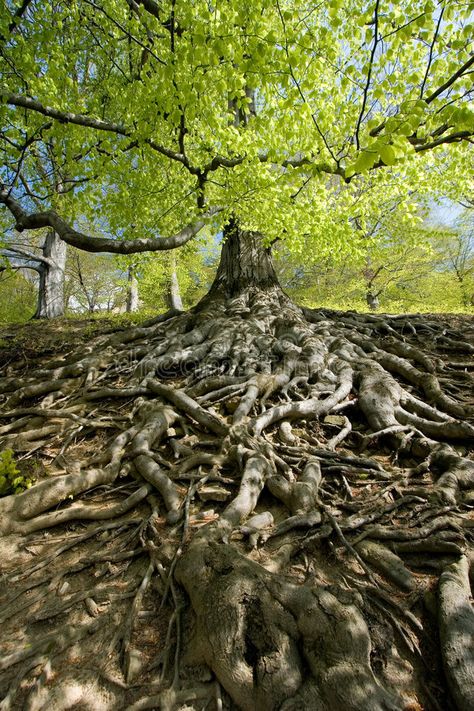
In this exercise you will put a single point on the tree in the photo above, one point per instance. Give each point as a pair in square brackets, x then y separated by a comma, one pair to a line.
[45, 255]
[455, 251]
[186, 275]
[132, 290]
[395, 260]
[16, 296]
[262, 121]
[93, 283]
[393, 254]
[400, 266]
[41, 169]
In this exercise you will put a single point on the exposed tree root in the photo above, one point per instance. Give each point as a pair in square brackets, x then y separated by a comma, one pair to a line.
[456, 619]
[253, 502]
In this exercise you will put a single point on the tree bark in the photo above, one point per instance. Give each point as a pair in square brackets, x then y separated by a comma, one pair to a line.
[245, 263]
[132, 291]
[372, 300]
[174, 295]
[51, 278]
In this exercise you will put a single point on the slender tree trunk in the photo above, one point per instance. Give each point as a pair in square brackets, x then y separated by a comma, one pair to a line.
[372, 300]
[51, 278]
[132, 291]
[174, 294]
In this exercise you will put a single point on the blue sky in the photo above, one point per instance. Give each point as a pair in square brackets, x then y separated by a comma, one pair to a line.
[446, 212]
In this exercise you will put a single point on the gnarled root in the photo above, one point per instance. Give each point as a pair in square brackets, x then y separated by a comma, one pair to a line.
[196, 430]
[456, 626]
[260, 634]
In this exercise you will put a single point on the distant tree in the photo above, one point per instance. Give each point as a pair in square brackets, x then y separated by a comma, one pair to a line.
[93, 283]
[17, 296]
[455, 254]
[169, 281]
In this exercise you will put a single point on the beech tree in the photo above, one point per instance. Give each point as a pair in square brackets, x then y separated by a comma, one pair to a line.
[94, 284]
[456, 253]
[296, 590]
[40, 166]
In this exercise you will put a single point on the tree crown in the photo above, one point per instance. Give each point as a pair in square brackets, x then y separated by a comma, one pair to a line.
[159, 115]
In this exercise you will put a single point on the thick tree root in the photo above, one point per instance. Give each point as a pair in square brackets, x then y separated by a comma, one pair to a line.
[253, 503]
[271, 630]
[456, 620]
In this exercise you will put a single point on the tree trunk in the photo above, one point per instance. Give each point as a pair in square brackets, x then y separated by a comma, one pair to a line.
[51, 278]
[372, 300]
[245, 263]
[132, 291]
[173, 296]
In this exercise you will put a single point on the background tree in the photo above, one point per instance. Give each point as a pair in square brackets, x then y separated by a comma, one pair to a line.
[395, 260]
[17, 300]
[455, 252]
[132, 303]
[45, 255]
[192, 272]
[93, 283]
[36, 167]
[392, 254]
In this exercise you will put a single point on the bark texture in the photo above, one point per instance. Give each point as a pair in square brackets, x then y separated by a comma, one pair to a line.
[174, 293]
[254, 506]
[132, 291]
[51, 277]
[244, 263]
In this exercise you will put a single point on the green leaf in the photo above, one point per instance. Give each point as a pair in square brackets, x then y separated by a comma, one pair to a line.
[365, 161]
[404, 129]
[388, 155]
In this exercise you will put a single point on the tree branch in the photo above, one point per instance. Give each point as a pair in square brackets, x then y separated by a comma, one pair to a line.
[121, 130]
[24, 254]
[125, 32]
[17, 16]
[29, 264]
[430, 58]
[369, 73]
[26, 102]
[451, 80]
[461, 72]
[50, 218]
[451, 138]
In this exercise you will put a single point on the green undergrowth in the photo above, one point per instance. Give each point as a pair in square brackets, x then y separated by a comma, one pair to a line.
[390, 307]
[12, 481]
[114, 320]
[40, 338]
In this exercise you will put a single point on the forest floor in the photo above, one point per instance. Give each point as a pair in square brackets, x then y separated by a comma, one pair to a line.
[36, 594]
[27, 345]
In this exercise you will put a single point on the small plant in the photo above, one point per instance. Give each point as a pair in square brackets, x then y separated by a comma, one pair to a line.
[11, 480]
